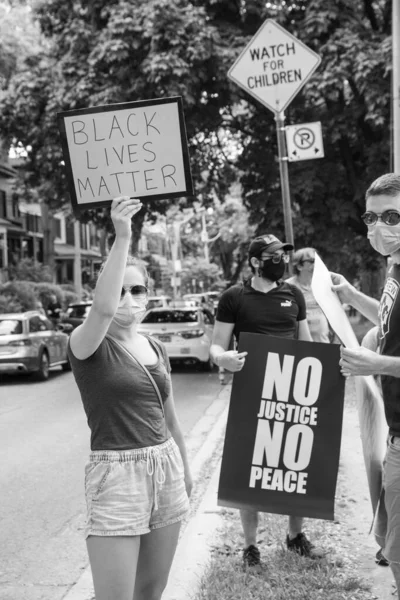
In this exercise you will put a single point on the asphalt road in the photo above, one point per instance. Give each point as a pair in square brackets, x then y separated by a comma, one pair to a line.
[44, 443]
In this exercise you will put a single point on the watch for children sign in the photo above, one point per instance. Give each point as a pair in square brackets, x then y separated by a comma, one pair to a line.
[282, 443]
[274, 66]
[137, 149]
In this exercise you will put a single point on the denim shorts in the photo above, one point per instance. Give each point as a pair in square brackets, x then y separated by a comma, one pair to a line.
[387, 524]
[131, 492]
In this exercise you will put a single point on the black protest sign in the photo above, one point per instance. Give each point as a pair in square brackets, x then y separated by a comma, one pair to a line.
[137, 149]
[282, 444]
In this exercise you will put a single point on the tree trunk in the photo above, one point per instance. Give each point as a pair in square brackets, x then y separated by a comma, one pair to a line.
[48, 237]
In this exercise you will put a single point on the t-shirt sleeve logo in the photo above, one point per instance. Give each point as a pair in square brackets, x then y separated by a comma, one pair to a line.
[386, 305]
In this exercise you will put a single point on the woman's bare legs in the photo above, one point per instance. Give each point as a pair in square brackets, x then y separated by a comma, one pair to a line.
[157, 550]
[113, 560]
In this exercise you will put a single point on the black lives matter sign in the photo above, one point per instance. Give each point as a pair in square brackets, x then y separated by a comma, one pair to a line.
[137, 149]
[282, 444]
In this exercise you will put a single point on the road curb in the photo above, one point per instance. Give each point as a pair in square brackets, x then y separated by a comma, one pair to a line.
[201, 443]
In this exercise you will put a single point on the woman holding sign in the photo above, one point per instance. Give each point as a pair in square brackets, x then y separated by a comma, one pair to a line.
[137, 479]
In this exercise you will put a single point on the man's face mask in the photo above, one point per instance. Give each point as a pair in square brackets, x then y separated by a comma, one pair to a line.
[131, 308]
[272, 270]
[385, 239]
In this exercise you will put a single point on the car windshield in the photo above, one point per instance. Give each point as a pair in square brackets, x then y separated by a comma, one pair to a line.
[10, 326]
[171, 316]
[154, 303]
[78, 312]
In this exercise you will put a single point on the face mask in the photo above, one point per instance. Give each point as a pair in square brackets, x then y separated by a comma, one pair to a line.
[272, 271]
[131, 310]
[384, 239]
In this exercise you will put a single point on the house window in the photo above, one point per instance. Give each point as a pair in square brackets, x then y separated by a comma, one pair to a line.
[3, 204]
[15, 207]
[33, 223]
[70, 234]
[57, 227]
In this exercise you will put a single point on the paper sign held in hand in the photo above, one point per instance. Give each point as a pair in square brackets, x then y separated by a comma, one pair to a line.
[137, 149]
[328, 300]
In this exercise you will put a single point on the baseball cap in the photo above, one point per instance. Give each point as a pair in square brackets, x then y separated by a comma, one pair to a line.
[267, 242]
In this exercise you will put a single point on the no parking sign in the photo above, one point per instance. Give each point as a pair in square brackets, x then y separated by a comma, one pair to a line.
[304, 141]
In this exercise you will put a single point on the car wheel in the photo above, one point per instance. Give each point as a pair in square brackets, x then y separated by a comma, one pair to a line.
[42, 374]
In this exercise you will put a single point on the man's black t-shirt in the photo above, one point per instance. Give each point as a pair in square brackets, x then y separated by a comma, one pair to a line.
[273, 313]
[389, 335]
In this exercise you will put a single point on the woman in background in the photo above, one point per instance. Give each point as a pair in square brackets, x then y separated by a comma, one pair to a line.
[303, 266]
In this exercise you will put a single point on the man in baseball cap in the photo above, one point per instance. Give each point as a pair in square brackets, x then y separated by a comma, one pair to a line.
[265, 304]
[267, 242]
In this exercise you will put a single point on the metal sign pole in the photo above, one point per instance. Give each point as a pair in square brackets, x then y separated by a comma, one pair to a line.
[284, 172]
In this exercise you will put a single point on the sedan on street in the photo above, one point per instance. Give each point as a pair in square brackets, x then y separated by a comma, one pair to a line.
[29, 343]
[186, 332]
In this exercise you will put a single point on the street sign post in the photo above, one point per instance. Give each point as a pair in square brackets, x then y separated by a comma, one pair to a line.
[304, 142]
[273, 68]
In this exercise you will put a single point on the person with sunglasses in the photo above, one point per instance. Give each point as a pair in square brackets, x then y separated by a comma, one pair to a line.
[382, 218]
[264, 304]
[137, 479]
[303, 265]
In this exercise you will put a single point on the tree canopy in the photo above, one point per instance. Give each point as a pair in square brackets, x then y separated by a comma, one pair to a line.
[123, 50]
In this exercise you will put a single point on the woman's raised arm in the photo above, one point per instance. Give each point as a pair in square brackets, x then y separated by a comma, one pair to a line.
[86, 338]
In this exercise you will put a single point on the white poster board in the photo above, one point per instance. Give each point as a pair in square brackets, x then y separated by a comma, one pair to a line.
[137, 149]
[328, 300]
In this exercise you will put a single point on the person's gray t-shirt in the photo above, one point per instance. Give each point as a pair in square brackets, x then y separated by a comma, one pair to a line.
[121, 405]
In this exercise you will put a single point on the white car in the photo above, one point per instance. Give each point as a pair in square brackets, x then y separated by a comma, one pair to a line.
[186, 332]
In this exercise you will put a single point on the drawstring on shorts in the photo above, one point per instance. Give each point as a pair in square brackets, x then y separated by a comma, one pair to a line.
[153, 455]
[155, 467]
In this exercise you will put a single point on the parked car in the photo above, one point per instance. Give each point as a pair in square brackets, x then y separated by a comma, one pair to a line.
[29, 343]
[76, 314]
[186, 332]
[158, 301]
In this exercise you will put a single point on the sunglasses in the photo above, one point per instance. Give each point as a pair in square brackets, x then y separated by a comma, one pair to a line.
[134, 290]
[310, 260]
[389, 217]
[276, 258]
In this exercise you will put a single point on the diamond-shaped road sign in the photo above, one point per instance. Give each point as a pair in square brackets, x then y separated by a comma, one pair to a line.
[274, 66]
[304, 141]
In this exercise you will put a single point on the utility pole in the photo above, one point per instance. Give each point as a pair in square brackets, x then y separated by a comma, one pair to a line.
[396, 84]
[204, 236]
[175, 246]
